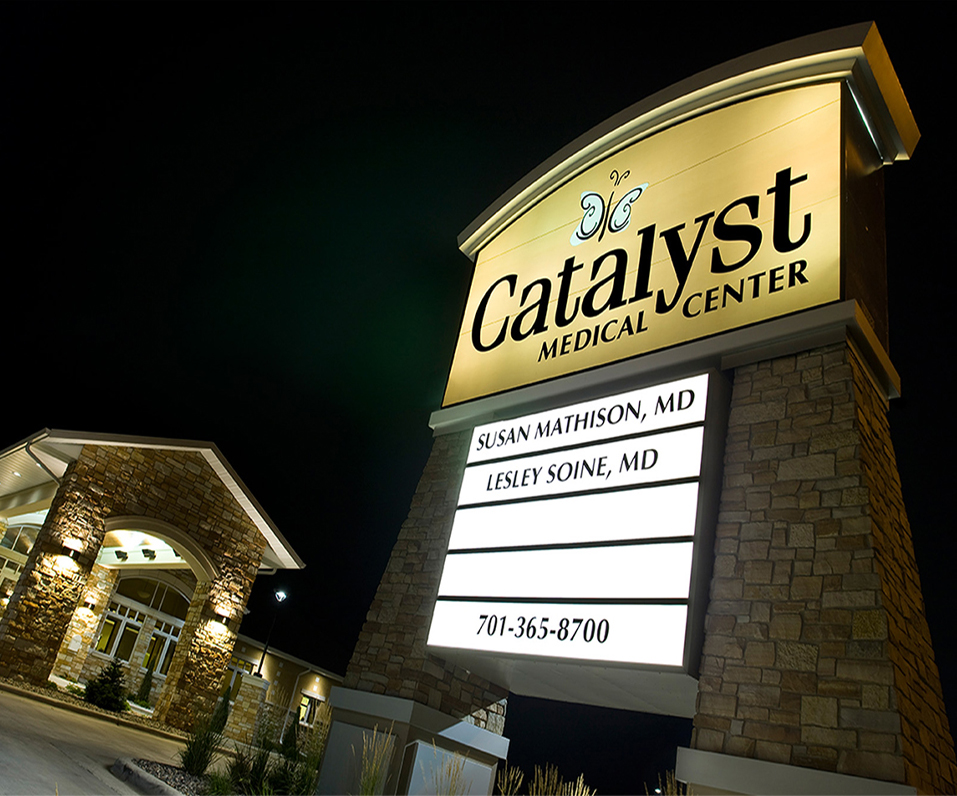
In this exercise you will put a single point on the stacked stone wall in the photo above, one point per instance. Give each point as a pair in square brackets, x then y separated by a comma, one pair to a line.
[816, 651]
[390, 656]
[928, 745]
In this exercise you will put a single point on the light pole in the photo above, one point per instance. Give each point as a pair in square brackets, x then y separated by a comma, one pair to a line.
[280, 596]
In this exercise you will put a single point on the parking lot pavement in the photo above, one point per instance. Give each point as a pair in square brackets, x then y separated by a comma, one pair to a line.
[48, 750]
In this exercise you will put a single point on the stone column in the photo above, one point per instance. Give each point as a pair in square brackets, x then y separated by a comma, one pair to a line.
[817, 651]
[81, 633]
[41, 607]
[243, 721]
[195, 675]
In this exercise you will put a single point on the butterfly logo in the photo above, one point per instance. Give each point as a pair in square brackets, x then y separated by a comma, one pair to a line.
[597, 219]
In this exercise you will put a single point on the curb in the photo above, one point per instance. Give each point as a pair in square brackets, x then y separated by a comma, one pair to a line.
[82, 709]
[125, 769]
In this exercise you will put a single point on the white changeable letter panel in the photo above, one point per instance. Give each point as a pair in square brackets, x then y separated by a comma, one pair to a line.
[574, 532]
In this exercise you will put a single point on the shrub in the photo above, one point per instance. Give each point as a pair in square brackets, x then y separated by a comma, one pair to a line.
[376, 757]
[200, 748]
[670, 786]
[550, 783]
[107, 689]
[257, 770]
[143, 695]
[221, 714]
[509, 780]
[449, 776]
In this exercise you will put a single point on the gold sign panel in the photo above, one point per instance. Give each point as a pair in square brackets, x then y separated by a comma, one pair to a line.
[719, 222]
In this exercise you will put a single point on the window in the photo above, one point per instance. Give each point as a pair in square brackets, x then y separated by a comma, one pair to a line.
[236, 665]
[308, 707]
[9, 575]
[154, 594]
[20, 538]
[162, 645]
[121, 628]
[135, 600]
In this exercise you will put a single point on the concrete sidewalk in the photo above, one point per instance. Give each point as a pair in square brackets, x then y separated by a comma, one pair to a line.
[49, 746]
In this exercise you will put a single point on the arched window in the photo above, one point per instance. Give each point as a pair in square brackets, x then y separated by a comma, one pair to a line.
[135, 599]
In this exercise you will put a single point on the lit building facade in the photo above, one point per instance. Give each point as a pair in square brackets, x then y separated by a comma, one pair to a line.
[140, 549]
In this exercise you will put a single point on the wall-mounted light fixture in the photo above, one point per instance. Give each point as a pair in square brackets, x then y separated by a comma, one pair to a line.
[89, 604]
[72, 547]
[223, 617]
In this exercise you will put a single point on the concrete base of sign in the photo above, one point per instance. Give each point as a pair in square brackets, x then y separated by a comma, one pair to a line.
[625, 688]
[711, 772]
[422, 740]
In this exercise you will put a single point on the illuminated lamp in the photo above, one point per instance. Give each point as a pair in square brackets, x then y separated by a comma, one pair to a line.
[223, 618]
[72, 547]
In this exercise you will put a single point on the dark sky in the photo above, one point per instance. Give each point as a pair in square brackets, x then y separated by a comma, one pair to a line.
[238, 223]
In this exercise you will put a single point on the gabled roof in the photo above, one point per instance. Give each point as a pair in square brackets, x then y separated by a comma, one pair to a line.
[30, 471]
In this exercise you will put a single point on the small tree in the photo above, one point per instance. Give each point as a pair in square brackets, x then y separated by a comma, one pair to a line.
[143, 695]
[200, 747]
[221, 713]
[107, 689]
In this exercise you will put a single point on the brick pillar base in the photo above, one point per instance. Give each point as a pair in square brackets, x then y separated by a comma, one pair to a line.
[817, 651]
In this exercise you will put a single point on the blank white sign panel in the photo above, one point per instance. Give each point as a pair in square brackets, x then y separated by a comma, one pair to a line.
[609, 516]
[636, 571]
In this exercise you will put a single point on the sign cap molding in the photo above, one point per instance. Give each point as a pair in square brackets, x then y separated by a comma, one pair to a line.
[855, 54]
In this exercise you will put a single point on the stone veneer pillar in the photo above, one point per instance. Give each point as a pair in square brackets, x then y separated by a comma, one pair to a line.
[51, 584]
[80, 635]
[176, 487]
[390, 657]
[817, 651]
[243, 721]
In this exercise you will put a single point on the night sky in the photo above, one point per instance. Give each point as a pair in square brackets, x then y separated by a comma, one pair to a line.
[238, 223]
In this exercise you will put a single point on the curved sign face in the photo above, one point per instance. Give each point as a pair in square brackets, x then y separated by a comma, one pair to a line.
[719, 222]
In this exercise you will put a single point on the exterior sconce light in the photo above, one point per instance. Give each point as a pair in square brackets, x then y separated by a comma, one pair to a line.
[122, 555]
[150, 553]
[72, 547]
[89, 605]
[223, 617]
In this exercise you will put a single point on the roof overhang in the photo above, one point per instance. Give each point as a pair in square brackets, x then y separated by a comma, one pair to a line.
[30, 470]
